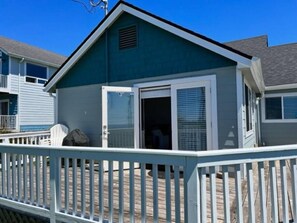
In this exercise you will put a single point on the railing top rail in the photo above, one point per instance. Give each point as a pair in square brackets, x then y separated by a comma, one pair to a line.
[246, 155]
[23, 134]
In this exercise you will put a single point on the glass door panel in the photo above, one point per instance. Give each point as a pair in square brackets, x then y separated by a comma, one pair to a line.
[117, 117]
[191, 116]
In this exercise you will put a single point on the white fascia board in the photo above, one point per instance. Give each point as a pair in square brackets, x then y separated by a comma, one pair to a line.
[84, 47]
[256, 70]
[188, 36]
[281, 87]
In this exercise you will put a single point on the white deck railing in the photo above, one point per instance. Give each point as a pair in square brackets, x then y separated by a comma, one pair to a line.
[74, 184]
[8, 122]
[25, 138]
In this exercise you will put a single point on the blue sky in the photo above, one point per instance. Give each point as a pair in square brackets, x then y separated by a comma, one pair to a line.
[61, 25]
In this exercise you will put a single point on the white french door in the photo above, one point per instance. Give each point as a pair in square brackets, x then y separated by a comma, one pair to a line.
[191, 116]
[117, 117]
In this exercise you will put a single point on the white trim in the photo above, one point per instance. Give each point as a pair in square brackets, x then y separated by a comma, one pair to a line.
[176, 31]
[263, 110]
[251, 131]
[239, 91]
[281, 87]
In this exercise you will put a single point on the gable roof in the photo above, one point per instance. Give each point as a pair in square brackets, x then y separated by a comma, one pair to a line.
[22, 50]
[241, 58]
[279, 63]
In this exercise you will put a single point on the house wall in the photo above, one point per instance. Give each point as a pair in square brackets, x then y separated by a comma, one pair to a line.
[80, 107]
[158, 53]
[36, 106]
[278, 133]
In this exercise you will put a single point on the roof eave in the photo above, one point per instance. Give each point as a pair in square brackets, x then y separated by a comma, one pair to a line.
[122, 7]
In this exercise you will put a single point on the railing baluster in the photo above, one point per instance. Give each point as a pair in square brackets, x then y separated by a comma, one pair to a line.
[44, 175]
[83, 186]
[19, 176]
[294, 186]
[25, 180]
[101, 191]
[261, 173]
[155, 193]
[226, 194]
[203, 195]
[31, 175]
[110, 190]
[284, 188]
[3, 170]
[58, 183]
[251, 196]
[273, 189]
[66, 185]
[74, 185]
[132, 199]
[37, 163]
[121, 192]
[8, 175]
[143, 193]
[213, 195]
[168, 193]
[92, 211]
[177, 194]
[13, 163]
[239, 213]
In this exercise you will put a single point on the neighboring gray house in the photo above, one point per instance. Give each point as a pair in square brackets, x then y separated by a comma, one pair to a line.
[140, 81]
[24, 70]
[278, 112]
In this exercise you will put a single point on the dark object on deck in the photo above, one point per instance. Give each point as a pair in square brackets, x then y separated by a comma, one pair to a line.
[76, 138]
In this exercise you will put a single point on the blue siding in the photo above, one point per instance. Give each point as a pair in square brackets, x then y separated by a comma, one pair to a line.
[158, 53]
[33, 128]
[5, 64]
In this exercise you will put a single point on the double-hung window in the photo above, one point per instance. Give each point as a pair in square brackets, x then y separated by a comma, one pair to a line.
[280, 108]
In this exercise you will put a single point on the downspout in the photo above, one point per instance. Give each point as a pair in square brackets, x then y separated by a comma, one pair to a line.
[19, 95]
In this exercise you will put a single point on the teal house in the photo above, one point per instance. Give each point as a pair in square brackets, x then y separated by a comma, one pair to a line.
[140, 81]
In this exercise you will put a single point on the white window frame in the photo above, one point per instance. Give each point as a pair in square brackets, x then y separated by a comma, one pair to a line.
[36, 78]
[281, 95]
[251, 113]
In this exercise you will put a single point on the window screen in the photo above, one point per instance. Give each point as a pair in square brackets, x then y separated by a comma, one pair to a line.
[273, 108]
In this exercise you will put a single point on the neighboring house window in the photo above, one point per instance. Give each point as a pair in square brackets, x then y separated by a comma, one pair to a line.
[36, 73]
[281, 107]
[248, 108]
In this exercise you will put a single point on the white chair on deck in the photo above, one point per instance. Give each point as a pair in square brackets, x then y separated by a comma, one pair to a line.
[58, 132]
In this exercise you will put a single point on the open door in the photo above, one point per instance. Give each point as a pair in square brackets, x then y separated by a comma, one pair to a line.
[117, 117]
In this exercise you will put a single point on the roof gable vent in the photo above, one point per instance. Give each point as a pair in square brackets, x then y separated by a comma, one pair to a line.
[128, 37]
